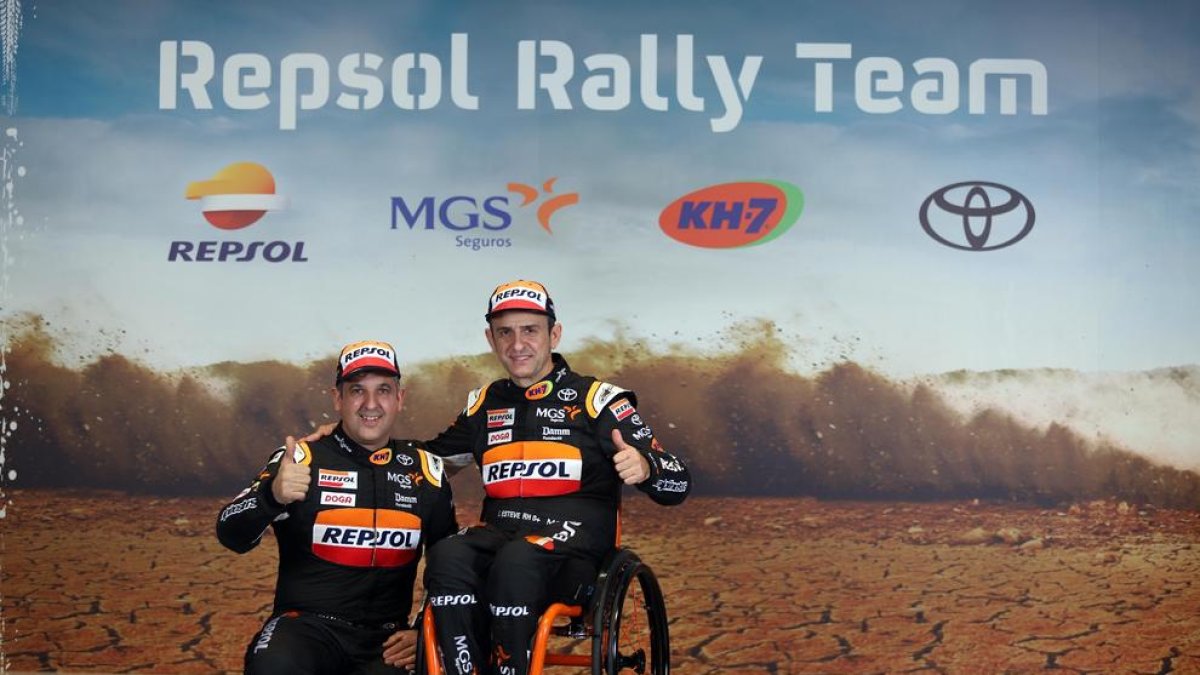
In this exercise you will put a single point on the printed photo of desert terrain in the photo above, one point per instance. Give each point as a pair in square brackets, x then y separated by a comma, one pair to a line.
[843, 522]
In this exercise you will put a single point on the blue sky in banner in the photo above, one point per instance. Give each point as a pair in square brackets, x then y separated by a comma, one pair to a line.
[1105, 280]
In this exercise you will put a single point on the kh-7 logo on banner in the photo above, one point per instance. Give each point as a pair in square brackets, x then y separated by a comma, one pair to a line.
[733, 215]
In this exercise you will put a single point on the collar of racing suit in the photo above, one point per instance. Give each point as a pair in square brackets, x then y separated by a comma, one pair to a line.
[349, 445]
[560, 369]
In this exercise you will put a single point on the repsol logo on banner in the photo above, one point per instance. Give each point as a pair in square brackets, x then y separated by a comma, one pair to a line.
[733, 215]
[236, 197]
[471, 215]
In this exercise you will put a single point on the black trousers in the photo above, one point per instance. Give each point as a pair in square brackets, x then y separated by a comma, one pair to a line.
[311, 644]
[488, 588]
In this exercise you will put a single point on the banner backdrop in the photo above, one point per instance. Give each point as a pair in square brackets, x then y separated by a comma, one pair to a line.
[911, 286]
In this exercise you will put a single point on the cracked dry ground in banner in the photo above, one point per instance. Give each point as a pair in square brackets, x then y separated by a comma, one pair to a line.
[107, 582]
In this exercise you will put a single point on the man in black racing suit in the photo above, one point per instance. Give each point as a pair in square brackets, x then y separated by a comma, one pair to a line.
[554, 448]
[348, 545]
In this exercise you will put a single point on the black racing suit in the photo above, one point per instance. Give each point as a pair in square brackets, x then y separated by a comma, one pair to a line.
[546, 457]
[348, 551]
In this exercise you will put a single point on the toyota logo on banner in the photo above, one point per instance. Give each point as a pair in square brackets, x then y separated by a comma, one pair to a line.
[977, 216]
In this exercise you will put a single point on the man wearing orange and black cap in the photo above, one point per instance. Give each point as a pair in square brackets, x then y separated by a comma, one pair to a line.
[352, 512]
[554, 448]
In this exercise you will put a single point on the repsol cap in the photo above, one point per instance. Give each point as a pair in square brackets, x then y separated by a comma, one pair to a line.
[527, 296]
[369, 356]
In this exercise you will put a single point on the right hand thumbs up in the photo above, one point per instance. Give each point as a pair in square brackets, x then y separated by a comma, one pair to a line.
[291, 483]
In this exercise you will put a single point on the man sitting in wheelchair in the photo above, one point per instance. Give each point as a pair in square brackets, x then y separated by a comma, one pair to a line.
[554, 448]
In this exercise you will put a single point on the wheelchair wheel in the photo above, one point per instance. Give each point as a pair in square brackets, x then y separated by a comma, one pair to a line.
[630, 622]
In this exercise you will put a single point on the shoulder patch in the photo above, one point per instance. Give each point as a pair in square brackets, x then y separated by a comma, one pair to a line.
[599, 396]
[302, 454]
[431, 466]
[475, 400]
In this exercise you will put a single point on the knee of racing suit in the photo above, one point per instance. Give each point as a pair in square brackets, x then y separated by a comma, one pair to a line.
[452, 567]
[287, 644]
[454, 587]
[517, 588]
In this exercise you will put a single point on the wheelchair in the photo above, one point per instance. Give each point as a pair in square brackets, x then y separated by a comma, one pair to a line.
[619, 614]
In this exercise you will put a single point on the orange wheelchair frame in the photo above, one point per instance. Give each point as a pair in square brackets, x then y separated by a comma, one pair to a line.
[625, 595]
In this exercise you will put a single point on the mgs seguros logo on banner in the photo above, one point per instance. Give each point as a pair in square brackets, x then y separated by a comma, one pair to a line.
[236, 197]
[471, 215]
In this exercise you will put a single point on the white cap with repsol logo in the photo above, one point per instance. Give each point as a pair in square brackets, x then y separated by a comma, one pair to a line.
[367, 356]
[528, 296]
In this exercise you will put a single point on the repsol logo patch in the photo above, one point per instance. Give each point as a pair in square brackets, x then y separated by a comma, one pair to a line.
[385, 355]
[358, 537]
[621, 410]
[361, 536]
[515, 293]
[514, 610]
[538, 468]
[531, 469]
[503, 417]
[346, 480]
[452, 600]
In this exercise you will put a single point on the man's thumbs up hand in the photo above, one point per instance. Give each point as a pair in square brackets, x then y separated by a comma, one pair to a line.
[291, 483]
[630, 465]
